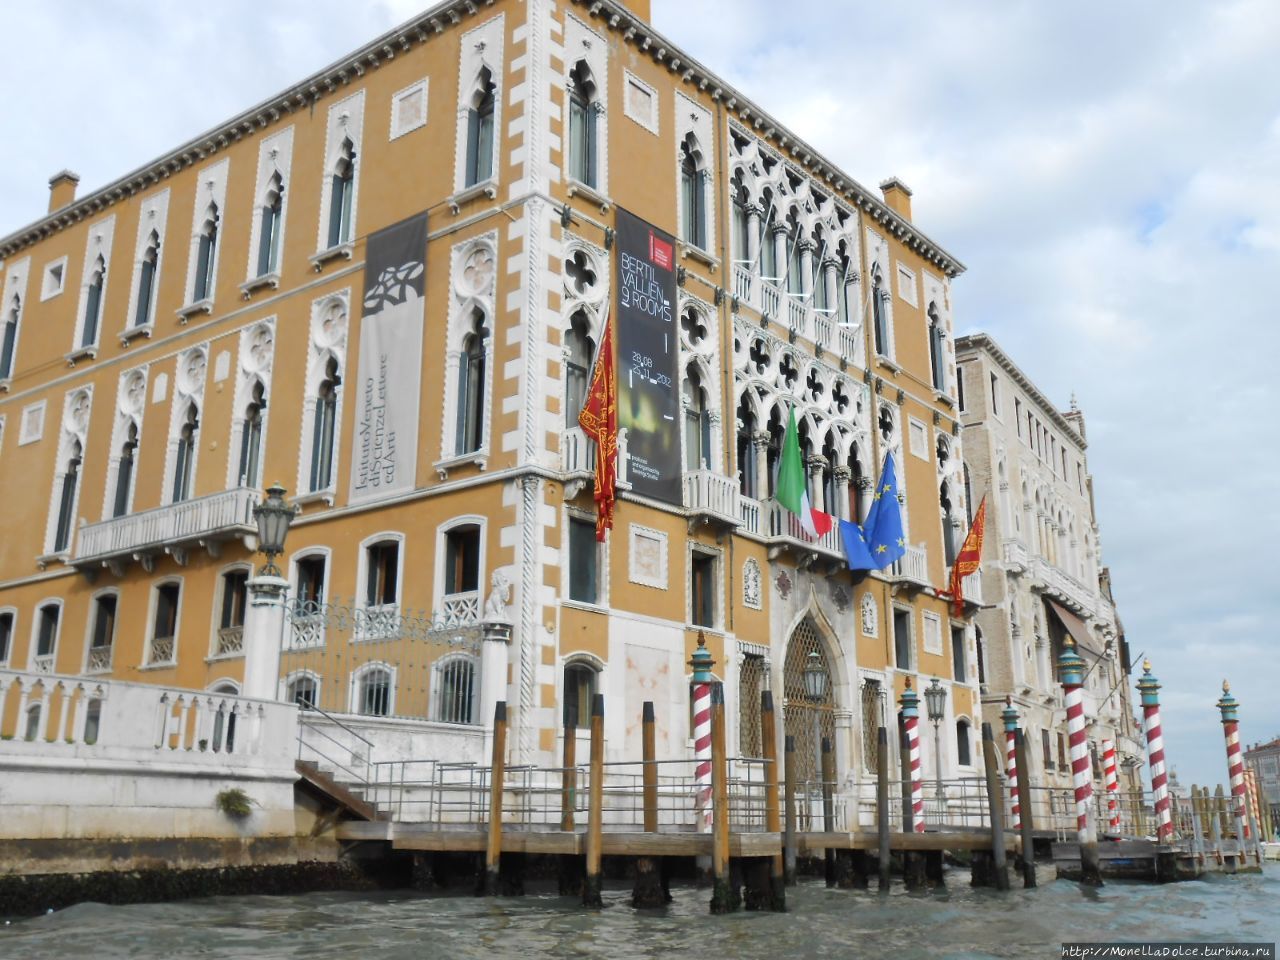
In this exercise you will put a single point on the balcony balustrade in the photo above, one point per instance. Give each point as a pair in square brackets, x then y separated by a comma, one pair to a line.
[750, 515]
[712, 496]
[972, 587]
[912, 568]
[577, 453]
[784, 526]
[173, 528]
[99, 659]
[767, 299]
[230, 642]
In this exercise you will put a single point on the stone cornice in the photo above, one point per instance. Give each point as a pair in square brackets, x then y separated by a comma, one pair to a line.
[300, 96]
[986, 343]
[752, 117]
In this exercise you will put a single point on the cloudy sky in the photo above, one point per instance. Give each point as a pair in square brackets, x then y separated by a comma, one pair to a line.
[1110, 173]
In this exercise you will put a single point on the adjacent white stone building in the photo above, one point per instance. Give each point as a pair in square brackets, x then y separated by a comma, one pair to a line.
[1042, 571]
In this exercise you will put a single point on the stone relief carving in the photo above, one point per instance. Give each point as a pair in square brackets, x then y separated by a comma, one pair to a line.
[870, 615]
[751, 584]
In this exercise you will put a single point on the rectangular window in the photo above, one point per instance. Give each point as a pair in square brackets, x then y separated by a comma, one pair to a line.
[462, 560]
[1064, 763]
[165, 630]
[583, 551]
[104, 622]
[310, 581]
[960, 387]
[6, 636]
[702, 584]
[381, 586]
[902, 639]
[48, 633]
[235, 596]
[1047, 750]
[957, 655]
[995, 396]
[1017, 416]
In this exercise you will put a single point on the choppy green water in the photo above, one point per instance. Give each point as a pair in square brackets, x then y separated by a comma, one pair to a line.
[959, 922]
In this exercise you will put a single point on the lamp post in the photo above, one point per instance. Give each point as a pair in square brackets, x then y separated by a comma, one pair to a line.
[815, 688]
[264, 618]
[935, 703]
[273, 517]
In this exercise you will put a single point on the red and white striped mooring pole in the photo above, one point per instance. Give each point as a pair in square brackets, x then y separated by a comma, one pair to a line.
[1112, 783]
[1235, 762]
[702, 680]
[1149, 688]
[910, 703]
[1010, 717]
[1071, 675]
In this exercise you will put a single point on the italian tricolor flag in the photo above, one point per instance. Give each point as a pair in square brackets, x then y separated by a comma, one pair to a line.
[793, 491]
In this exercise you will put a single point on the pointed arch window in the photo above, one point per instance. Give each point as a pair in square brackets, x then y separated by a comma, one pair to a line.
[147, 281]
[471, 387]
[184, 462]
[854, 464]
[844, 305]
[741, 222]
[773, 452]
[9, 337]
[341, 190]
[768, 250]
[206, 254]
[480, 130]
[124, 472]
[746, 450]
[323, 428]
[948, 518]
[879, 314]
[269, 235]
[795, 277]
[67, 501]
[937, 349]
[579, 349]
[697, 423]
[693, 201]
[93, 303]
[583, 109]
[251, 437]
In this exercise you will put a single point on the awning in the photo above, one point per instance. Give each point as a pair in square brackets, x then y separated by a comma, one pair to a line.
[1074, 626]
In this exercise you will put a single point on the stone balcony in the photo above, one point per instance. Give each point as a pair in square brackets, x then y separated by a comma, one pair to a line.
[912, 569]
[796, 315]
[174, 529]
[712, 498]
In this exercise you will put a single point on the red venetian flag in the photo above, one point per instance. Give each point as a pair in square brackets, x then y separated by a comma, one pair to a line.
[969, 558]
[599, 420]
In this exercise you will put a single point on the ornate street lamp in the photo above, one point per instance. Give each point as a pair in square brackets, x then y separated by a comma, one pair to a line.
[815, 676]
[273, 516]
[935, 702]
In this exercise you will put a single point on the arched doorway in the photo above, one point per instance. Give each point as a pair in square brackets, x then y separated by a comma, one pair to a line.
[808, 718]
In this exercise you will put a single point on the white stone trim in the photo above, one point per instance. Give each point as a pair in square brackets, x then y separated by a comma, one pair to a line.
[718, 617]
[131, 405]
[905, 279]
[97, 245]
[15, 276]
[481, 47]
[442, 533]
[632, 110]
[330, 324]
[345, 121]
[582, 43]
[397, 537]
[472, 286]
[255, 355]
[636, 532]
[932, 632]
[189, 379]
[152, 608]
[31, 425]
[77, 409]
[418, 90]
[211, 188]
[878, 256]
[691, 118]
[275, 156]
[47, 289]
[153, 217]
[219, 597]
[60, 604]
[353, 689]
[562, 560]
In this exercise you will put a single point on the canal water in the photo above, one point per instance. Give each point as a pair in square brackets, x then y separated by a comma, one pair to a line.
[958, 922]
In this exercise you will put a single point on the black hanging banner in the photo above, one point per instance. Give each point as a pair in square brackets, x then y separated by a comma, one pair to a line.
[648, 358]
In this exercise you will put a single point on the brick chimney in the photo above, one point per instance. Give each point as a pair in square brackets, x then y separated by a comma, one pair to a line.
[897, 197]
[62, 189]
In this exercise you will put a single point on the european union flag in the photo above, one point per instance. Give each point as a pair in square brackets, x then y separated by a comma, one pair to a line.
[856, 551]
[884, 534]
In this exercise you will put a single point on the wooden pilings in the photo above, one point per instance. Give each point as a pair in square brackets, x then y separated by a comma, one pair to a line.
[995, 806]
[882, 805]
[789, 813]
[492, 884]
[725, 896]
[649, 890]
[569, 775]
[772, 810]
[595, 806]
[1026, 813]
[828, 809]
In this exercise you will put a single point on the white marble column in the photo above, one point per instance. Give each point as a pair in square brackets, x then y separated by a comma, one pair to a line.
[263, 636]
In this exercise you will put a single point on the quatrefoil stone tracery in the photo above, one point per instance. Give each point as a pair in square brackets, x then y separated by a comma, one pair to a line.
[477, 271]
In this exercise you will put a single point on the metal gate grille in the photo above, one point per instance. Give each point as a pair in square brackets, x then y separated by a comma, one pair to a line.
[750, 685]
[807, 718]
